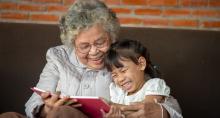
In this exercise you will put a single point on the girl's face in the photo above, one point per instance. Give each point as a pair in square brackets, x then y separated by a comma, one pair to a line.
[91, 45]
[130, 77]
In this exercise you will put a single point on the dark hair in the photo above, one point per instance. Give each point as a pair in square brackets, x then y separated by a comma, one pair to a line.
[129, 49]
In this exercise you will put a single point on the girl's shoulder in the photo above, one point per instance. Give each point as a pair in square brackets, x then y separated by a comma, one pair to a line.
[155, 81]
[156, 86]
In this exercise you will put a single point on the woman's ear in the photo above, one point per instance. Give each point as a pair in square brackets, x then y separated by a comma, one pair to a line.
[142, 63]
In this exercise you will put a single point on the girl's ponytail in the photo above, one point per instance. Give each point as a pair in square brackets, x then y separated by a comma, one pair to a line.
[153, 71]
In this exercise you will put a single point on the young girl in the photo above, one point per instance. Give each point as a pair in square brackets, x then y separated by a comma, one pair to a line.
[135, 78]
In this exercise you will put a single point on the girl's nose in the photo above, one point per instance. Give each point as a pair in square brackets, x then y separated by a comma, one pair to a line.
[120, 78]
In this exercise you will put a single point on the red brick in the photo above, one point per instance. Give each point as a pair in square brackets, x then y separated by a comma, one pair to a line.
[68, 2]
[134, 2]
[214, 3]
[48, 1]
[112, 2]
[30, 7]
[56, 8]
[122, 10]
[130, 21]
[44, 17]
[210, 13]
[18, 16]
[186, 23]
[186, 2]
[148, 11]
[212, 24]
[162, 2]
[8, 5]
[159, 22]
[194, 2]
[176, 12]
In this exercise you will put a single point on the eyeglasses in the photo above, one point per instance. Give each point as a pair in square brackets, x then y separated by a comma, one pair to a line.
[85, 47]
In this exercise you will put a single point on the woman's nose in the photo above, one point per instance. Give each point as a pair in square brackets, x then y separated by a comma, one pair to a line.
[93, 50]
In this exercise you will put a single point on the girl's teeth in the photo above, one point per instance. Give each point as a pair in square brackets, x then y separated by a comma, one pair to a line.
[127, 86]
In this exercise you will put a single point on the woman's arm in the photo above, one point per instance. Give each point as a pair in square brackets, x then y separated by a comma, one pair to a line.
[172, 107]
[48, 81]
[167, 107]
[154, 98]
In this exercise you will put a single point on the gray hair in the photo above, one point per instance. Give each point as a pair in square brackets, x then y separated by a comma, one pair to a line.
[84, 14]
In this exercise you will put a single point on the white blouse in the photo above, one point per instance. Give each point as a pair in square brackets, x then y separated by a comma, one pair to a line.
[153, 86]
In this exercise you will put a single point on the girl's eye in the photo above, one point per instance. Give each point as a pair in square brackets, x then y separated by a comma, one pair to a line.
[124, 70]
[113, 76]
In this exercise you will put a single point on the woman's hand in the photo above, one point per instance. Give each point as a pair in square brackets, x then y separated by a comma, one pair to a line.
[144, 110]
[114, 112]
[53, 100]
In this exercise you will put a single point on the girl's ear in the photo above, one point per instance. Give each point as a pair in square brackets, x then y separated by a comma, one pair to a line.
[142, 63]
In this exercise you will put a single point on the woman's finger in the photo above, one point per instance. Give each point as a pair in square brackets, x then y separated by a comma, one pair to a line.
[45, 95]
[76, 105]
[113, 109]
[72, 102]
[103, 113]
[118, 111]
[135, 114]
[46, 98]
[61, 101]
[127, 112]
[136, 103]
[134, 107]
[54, 98]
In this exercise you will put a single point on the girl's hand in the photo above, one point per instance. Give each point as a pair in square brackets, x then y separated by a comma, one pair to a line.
[53, 100]
[114, 112]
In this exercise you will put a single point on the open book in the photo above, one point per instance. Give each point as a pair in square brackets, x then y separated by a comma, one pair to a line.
[91, 106]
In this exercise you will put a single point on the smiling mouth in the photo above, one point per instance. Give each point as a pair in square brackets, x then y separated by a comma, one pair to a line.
[98, 60]
[127, 85]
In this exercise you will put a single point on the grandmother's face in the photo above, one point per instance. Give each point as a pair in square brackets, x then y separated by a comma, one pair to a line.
[91, 45]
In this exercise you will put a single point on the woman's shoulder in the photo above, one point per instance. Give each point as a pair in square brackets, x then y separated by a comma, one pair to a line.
[60, 51]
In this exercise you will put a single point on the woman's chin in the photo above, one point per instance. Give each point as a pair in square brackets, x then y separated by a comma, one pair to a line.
[96, 65]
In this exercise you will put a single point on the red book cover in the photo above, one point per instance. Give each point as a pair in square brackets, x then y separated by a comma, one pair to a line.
[91, 106]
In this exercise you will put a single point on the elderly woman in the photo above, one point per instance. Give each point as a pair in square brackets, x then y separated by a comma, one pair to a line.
[77, 68]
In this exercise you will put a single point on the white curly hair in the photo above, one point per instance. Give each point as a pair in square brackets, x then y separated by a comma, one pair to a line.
[84, 14]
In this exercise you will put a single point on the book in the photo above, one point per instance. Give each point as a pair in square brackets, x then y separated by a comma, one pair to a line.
[91, 106]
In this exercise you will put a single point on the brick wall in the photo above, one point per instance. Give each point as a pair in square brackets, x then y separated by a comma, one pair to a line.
[184, 14]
